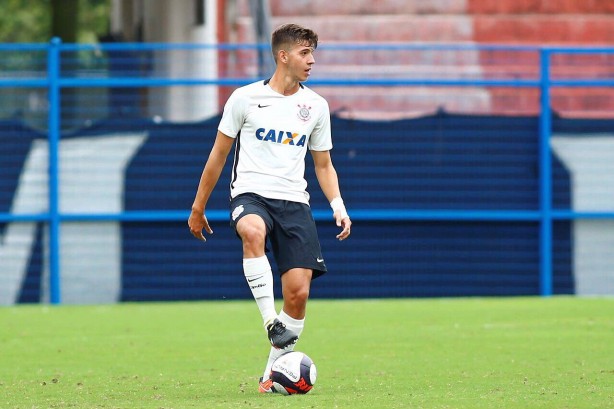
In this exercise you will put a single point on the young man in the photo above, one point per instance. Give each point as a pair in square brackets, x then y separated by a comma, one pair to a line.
[272, 123]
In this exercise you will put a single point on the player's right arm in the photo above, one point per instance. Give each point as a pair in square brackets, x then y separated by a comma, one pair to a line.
[208, 180]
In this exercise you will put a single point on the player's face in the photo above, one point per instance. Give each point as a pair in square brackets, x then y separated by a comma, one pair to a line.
[300, 60]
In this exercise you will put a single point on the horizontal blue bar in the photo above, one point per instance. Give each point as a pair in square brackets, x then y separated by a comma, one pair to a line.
[149, 82]
[252, 46]
[473, 215]
[24, 82]
[431, 46]
[9, 217]
[24, 47]
[362, 46]
[425, 82]
[222, 215]
[128, 82]
[580, 50]
[152, 47]
[323, 215]
[571, 215]
[136, 216]
[160, 82]
[582, 83]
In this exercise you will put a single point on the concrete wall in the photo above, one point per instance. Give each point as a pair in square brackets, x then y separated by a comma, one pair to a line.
[163, 21]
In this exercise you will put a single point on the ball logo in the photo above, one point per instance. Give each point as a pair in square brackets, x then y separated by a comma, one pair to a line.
[281, 137]
[287, 371]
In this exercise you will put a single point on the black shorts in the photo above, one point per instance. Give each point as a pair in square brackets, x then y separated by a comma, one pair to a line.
[290, 227]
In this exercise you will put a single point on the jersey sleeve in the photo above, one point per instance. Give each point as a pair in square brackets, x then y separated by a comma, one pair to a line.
[234, 115]
[321, 139]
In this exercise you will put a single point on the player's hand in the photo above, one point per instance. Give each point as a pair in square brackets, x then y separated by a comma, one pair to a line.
[344, 223]
[198, 222]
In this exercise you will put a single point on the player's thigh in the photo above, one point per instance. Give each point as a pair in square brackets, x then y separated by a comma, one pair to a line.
[249, 218]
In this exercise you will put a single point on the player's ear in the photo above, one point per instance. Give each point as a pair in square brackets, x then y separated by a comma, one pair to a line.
[282, 56]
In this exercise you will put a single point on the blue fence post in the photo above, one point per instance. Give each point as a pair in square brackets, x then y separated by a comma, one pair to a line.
[53, 75]
[545, 177]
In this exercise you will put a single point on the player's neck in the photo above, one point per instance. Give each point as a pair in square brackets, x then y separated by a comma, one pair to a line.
[284, 84]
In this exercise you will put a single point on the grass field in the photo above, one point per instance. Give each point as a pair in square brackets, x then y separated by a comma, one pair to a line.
[441, 353]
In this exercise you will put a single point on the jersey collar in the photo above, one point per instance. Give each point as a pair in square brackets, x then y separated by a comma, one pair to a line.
[300, 84]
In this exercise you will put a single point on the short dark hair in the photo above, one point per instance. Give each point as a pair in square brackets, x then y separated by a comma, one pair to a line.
[290, 34]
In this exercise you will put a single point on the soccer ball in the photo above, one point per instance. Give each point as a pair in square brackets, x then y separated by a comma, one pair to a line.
[293, 373]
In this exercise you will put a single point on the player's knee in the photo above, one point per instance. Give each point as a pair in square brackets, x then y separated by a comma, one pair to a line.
[252, 236]
[298, 297]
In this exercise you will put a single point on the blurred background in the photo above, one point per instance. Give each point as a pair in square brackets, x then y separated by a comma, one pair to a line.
[474, 140]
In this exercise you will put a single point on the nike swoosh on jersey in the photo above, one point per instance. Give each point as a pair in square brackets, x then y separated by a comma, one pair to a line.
[263, 106]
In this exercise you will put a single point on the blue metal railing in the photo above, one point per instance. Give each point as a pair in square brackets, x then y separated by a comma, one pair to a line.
[53, 71]
[545, 215]
[545, 178]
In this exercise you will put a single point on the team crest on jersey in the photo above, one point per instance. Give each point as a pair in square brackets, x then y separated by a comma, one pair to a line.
[304, 112]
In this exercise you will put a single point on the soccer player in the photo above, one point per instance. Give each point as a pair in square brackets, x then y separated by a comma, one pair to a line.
[272, 123]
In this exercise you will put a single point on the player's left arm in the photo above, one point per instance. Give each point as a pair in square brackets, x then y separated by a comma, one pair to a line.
[329, 183]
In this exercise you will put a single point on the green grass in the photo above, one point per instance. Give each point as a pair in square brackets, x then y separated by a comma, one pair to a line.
[442, 353]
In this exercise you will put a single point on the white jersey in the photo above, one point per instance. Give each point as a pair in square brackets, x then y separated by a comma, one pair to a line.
[273, 133]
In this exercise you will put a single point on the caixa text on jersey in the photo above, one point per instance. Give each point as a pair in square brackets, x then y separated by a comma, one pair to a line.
[283, 137]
